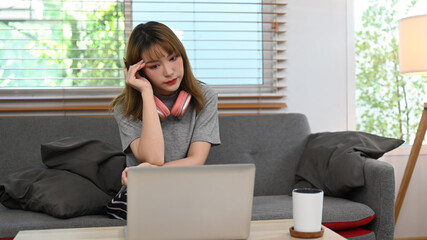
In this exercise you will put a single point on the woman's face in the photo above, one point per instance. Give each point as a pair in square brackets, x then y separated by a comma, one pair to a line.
[165, 73]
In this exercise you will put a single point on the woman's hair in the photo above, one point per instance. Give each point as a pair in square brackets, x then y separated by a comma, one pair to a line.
[150, 39]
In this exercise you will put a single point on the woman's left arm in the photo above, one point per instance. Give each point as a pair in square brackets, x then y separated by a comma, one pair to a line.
[197, 155]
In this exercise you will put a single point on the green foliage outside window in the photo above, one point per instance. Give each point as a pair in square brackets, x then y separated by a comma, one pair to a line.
[72, 44]
[387, 103]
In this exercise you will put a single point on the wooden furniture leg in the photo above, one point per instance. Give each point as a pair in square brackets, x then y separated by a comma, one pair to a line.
[413, 156]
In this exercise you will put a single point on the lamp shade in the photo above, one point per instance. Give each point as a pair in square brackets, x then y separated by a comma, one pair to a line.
[413, 45]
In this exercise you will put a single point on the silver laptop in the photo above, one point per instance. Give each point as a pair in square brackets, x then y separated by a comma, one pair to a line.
[194, 202]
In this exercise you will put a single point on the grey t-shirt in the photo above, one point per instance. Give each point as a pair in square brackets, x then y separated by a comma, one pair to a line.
[178, 134]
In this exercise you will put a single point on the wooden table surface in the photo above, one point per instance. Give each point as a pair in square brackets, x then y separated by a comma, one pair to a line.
[265, 230]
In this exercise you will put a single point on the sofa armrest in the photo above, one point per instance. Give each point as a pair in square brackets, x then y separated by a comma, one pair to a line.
[379, 194]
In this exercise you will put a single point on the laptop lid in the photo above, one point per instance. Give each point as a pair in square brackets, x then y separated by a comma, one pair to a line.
[191, 202]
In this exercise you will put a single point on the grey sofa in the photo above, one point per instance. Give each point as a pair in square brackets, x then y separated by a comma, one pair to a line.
[274, 143]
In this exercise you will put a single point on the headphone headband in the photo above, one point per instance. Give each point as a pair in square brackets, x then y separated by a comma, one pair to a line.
[179, 108]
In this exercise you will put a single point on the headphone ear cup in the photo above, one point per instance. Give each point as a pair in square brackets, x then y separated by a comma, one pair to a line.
[162, 110]
[181, 104]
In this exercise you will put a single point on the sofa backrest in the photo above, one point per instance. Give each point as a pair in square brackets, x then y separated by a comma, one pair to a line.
[20, 138]
[274, 143]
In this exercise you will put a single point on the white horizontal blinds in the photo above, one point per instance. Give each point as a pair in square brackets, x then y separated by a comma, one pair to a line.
[235, 46]
[61, 43]
[65, 57]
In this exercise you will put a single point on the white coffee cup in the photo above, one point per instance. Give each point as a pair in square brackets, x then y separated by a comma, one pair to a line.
[307, 207]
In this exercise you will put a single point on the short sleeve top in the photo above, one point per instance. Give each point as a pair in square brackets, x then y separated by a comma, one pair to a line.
[178, 134]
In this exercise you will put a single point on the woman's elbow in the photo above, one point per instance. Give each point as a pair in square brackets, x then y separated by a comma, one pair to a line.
[154, 159]
[198, 160]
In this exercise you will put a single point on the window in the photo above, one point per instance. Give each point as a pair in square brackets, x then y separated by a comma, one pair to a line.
[223, 39]
[52, 43]
[387, 103]
[65, 57]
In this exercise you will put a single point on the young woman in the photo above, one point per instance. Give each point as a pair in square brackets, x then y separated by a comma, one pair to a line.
[166, 117]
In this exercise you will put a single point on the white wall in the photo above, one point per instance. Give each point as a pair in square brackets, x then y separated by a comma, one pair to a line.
[412, 221]
[317, 62]
[320, 80]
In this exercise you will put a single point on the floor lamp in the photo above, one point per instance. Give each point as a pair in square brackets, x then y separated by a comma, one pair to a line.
[412, 61]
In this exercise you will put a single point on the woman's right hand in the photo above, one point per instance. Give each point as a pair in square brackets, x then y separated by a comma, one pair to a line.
[134, 79]
[125, 172]
[125, 177]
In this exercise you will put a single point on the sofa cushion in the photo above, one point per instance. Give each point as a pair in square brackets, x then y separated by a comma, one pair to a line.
[12, 221]
[337, 212]
[357, 234]
[100, 162]
[334, 161]
[58, 193]
[86, 176]
[348, 225]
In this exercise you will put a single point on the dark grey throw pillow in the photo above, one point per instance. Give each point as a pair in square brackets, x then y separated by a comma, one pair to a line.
[58, 193]
[98, 161]
[334, 161]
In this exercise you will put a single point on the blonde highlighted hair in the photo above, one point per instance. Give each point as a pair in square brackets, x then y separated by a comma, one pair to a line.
[150, 39]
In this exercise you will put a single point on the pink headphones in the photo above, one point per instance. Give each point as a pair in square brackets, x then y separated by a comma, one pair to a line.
[178, 109]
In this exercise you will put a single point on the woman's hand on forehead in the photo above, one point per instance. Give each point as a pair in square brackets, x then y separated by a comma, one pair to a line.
[134, 79]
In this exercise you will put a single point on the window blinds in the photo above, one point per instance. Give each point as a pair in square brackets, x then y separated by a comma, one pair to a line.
[69, 53]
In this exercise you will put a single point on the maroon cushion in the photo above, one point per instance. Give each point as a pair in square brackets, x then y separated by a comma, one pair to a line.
[348, 225]
[356, 232]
